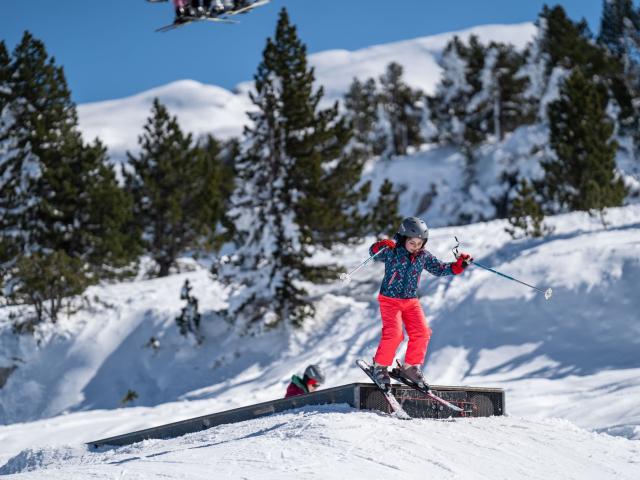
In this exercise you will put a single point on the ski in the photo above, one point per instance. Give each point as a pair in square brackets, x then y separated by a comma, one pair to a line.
[188, 20]
[395, 374]
[219, 20]
[247, 8]
[174, 25]
[396, 408]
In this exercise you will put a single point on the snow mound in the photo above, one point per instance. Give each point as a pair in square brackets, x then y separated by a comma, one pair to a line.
[337, 442]
[39, 458]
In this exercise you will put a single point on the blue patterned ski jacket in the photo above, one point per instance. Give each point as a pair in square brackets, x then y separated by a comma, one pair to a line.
[402, 270]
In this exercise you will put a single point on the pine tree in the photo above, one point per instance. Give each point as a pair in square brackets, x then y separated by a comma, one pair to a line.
[221, 157]
[475, 55]
[5, 91]
[620, 30]
[620, 35]
[384, 214]
[534, 71]
[296, 189]
[60, 203]
[559, 46]
[175, 186]
[7, 248]
[403, 107]
[526, 218]
[582, 174]
[571, 45]
[362, 105]
[568, 44]
[564, 45]
[448, 105]
[456, 123]
[48, 281]
[496, 108]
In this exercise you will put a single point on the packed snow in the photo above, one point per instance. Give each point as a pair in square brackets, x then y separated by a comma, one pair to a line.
[337, 442]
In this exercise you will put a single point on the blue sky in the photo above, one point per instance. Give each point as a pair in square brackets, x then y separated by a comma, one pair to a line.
[109, 48]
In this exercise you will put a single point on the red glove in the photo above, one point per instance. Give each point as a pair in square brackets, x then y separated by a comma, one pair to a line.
[390, 244]
[463, 261]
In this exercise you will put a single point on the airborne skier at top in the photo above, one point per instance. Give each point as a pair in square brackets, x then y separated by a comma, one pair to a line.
[404, 260]
[196, 8]
[187, 11]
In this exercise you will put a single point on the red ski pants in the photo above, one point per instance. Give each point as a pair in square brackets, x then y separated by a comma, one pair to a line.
[396, 312]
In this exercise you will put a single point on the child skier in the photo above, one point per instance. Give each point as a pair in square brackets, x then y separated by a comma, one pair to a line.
[404, 260]
[313, 377]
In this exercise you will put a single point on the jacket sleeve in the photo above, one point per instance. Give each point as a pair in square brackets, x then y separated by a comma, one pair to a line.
[436, 267]
[382, 256]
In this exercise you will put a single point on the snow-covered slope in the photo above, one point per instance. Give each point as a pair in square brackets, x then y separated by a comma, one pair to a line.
[573, 357]
[432, 182]
[336, 69]
[203, 109]
[337, 443]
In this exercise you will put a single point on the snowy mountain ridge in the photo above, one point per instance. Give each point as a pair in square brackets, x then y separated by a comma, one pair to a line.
[434, 186]
[203, 109]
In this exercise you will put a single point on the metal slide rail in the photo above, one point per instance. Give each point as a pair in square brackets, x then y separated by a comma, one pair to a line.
[483, 401]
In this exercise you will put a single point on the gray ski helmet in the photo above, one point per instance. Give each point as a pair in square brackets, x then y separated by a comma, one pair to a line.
[315, 372]
[414, 227]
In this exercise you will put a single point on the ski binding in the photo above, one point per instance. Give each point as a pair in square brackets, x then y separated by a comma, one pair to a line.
[395, 374]
[396, 408]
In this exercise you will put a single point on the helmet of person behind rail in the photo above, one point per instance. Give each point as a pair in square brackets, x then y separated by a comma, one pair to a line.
[316, 373]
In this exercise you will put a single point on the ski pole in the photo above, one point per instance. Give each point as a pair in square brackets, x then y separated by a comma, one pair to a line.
[547, 293]
[346, 277]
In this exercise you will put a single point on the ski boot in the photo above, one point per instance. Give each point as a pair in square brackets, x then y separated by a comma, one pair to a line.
[381, 376]
[413, 373]
[217, 7]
